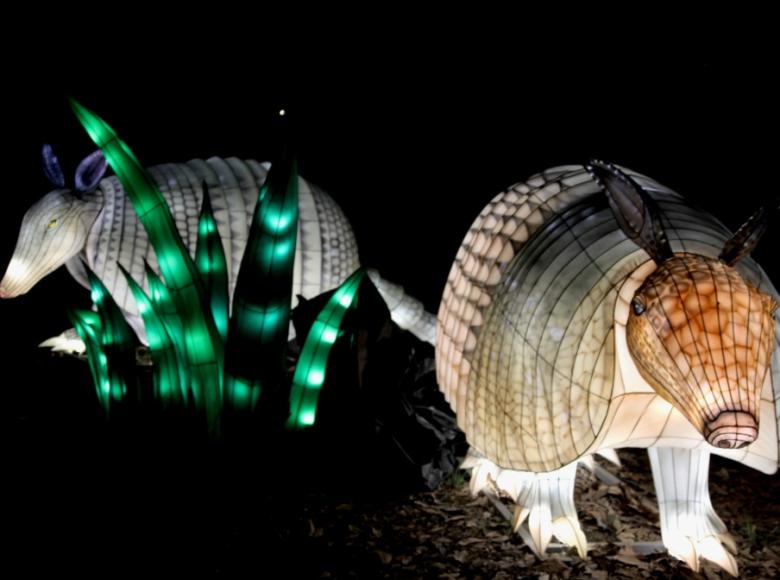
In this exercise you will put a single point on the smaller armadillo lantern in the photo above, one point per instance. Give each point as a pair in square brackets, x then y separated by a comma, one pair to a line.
[94, 224]
[590, 309]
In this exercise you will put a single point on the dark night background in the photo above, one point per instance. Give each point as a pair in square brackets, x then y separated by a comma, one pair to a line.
[410, 143]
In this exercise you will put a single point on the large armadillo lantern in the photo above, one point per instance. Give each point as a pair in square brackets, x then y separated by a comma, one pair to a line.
[94, 224]
[591, 308]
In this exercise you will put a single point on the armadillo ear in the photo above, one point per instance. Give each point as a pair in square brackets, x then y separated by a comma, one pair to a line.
[748, 235]
[51, 167]
[90, 171]
[635, 211]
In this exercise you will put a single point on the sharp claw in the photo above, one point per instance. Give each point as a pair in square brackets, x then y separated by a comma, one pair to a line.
[610, 455]
[728, 540]
[540, 526]
[482, 476]
[545, 503]
[509, 485]
[714, 548]
[596, 469]
[521, 513]
[711, 549]
[570, 533]
[529, 540]
[683, 548]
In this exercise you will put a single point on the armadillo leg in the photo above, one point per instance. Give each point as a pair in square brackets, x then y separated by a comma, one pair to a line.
[690, 528]
[544, 501]
[67, 342]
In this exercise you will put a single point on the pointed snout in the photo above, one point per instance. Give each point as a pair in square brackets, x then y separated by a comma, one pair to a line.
[7, 292]
[15, 282]
[732, 430]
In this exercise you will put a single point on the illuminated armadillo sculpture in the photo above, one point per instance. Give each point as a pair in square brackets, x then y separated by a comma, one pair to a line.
[592, 309]
[94, 223]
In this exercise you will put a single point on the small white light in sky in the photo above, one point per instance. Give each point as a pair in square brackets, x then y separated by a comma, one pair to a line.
[282, 112]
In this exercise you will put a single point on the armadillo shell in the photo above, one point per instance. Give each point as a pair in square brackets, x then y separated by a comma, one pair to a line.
[326, 251]
[525, 347]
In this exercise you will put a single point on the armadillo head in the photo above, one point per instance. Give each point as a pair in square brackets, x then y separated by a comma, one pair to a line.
[700, 334]
[56, 228]
[53, 230]
[703, 338]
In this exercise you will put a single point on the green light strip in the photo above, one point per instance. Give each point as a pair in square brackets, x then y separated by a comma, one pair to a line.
[212, 266]
[259, 325]
[165, 308]
[163, 303]
[117, 339]
[313, 362]
[87, 325]
[167, 385]
[203, 346]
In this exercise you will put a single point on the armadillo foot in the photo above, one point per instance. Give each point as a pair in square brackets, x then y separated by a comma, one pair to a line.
[68, 342]
[690, 528]
[545, 501]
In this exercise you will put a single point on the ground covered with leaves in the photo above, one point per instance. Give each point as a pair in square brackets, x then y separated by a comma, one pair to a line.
[137, 496]
[130, 509]
[447, 533]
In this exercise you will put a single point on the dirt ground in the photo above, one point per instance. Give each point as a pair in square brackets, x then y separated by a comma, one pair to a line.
[76, 506]
[85, 497]
[448, 534]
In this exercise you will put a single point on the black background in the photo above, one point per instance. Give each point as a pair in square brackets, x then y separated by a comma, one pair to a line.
[411, 147]
[410, 141]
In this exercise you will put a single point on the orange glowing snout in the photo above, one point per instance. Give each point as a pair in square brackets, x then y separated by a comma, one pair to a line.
[703, 338]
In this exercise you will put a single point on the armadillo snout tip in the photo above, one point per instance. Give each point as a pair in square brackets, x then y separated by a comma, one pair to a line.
[11, 291]
[732, 430]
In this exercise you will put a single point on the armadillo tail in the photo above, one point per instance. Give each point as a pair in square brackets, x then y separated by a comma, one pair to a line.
[406, 311]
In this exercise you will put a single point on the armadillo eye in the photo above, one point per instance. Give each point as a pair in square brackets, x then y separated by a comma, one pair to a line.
[52, 224]
[638, 306]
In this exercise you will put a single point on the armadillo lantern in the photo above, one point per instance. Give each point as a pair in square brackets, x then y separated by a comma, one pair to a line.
[590, 309]
[94, 224]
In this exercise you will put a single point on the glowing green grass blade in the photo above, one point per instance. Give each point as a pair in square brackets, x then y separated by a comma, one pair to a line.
[212, 266]
[313, 362]
[167, 386]
[117, 339]
[259, 325]
[87, 325]
[165, 308]
[203, 346]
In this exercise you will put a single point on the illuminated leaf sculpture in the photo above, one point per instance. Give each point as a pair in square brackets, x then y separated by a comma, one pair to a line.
[87, 325]
[117, 339]
[164, 306]
[168, 384]
[110, 344]
[313, 362]
[261, 302]
[591, 308]
[212, 266]
[203, 345]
